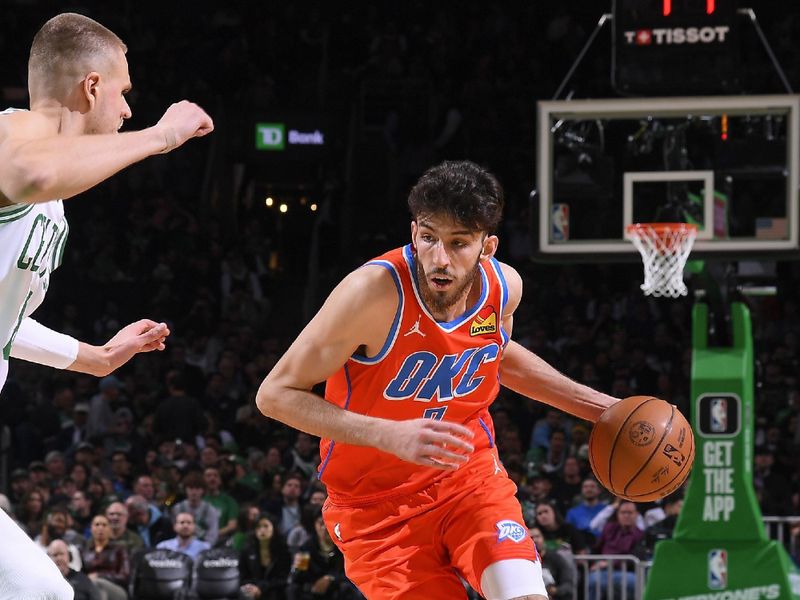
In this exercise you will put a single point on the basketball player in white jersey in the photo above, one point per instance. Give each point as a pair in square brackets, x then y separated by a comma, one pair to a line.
[66, 143]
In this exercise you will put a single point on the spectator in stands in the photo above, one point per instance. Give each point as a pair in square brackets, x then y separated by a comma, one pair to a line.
[80, 475]
[80, 582]
[84, 455]
[662, 529]
[106, 565]
[62, 491]
[272, 465]
[209, 456]
[265, 561]
[568, 487]
[304, 530]
[772, 487]
[147, 521]
[550, 460]
[56, 528]
[603, 516]
[81, 510]
[581, 515]
[553, 419]
[20, 485]
[540, 488]
[122, 436]
[246, 483]
[31, 511]
[245, 524]
[179, 416]
[303, 457]
[558, 534]
[117, 515]
[579, 442]
[318, 496]
[143, 486]
[96, 492]
[101, 414]
[56, 466]
[558, 574]
[38, 474]
[185, 540]
[120, 474]
[318, 569]
[228, 507]
[287, 508]
[206, 517]
[620, 536]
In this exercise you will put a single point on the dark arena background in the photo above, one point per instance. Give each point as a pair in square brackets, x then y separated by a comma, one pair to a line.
[325, 115]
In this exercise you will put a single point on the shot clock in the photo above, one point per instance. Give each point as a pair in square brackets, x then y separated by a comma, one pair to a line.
[675, 47]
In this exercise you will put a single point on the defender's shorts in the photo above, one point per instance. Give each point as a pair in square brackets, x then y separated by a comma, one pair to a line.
[415, 546]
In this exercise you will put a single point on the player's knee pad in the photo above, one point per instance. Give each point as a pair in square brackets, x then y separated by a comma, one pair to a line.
[512, 578]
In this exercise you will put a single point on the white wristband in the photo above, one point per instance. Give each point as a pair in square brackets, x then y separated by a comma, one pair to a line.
[36, 343]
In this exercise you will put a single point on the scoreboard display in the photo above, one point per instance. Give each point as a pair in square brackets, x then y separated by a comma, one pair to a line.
[675, 47]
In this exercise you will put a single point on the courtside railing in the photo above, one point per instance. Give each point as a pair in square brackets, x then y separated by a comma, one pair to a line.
[609, 577]
[780, 530]
[626, 577]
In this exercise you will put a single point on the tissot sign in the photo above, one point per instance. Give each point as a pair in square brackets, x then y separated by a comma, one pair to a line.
[676, 35]
[675, 47]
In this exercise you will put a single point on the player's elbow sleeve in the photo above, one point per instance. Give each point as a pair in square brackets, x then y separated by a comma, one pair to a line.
[36, 343]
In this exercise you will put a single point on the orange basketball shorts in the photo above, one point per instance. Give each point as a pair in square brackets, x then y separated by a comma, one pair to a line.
[415, 547]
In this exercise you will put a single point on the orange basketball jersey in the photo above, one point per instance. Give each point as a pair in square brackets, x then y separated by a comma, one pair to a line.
[425, 369]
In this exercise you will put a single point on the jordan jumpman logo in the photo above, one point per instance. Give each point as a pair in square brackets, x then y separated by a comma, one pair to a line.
[497, 468]
[415, 328]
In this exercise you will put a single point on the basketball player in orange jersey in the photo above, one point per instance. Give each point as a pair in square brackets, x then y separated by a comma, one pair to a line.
[414, 346]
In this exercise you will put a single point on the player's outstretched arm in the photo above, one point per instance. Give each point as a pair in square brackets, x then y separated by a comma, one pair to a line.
[357, 313]
[524, 372]
[34, 342]
[39, 162]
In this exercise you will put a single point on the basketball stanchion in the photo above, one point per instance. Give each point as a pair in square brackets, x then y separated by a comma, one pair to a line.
[719, 546]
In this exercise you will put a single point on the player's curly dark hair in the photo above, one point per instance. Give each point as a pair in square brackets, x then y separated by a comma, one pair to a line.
[462, 190]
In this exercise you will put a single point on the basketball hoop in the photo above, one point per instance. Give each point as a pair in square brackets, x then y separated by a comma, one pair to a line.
[664, 247]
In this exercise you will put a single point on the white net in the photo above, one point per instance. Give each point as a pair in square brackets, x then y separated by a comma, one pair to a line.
[664, 247]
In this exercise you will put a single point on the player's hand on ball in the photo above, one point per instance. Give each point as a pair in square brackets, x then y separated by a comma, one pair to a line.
[181, 122]
[438, 444]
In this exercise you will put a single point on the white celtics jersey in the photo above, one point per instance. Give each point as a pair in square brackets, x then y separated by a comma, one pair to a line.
[32, 239]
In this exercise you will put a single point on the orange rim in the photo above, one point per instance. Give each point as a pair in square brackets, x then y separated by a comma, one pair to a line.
[661, 228]
[670, 234]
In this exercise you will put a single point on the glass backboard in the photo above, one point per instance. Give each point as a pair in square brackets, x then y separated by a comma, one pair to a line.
[728, 164]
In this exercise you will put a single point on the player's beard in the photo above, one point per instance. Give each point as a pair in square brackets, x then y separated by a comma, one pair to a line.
[439, 302]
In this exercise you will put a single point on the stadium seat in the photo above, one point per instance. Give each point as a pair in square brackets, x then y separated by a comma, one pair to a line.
[160, 575]
[216, 574]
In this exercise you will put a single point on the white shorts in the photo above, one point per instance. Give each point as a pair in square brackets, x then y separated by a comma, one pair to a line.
[26, 572]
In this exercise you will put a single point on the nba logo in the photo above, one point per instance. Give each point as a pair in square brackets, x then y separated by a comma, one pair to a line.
[719, 415]
[717, 569]
[559, 229]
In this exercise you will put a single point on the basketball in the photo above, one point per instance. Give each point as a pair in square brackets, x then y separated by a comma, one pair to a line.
[641, 449]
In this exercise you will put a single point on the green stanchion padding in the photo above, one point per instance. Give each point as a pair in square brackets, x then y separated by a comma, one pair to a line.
[720, 550]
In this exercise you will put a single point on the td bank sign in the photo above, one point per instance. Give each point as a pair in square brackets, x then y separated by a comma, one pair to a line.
[274, 136]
